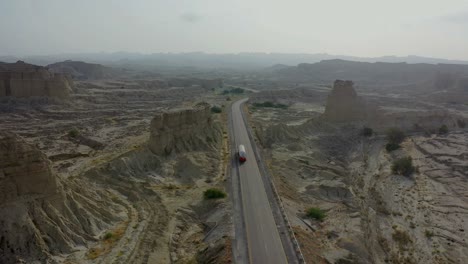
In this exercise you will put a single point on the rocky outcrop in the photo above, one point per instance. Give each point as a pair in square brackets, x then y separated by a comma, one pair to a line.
[81, 70]
[39, 215]
[25, 80]
[24, 170]
[184, 130]
[343, 104]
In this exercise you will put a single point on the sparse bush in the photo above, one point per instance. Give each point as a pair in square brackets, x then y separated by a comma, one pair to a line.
[461, 123]
[402, 238]
[171, 187]
[429, 233]
[228, 98]
[233, 91]
[270, 104]
[237, 90]
[391, 147]
[265, 104]
[316, 213]
[214, 193]
[216, 109]
[395, 136]
[443, 130]
[403, 166]
[73, 133]
[367, 131]
[108, 236]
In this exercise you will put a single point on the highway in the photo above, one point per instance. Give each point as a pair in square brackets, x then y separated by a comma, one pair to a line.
[262, 236]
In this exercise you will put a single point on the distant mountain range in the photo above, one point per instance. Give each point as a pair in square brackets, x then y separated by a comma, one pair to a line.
[441, 76]
[207, 60]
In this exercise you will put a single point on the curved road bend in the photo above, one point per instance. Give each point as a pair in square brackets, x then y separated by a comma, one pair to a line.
[263, 240]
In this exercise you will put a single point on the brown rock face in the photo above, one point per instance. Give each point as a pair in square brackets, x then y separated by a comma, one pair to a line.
[183, 130]
[40, 215]
[24, 170]
[25, 80]
[343, 104]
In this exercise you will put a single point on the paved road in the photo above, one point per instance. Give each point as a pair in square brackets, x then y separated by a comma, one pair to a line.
[263, 240]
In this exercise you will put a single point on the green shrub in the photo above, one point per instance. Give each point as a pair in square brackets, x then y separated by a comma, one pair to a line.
[73, 133]
[237, 90]
[228, 98]
[391, 147]
[108, 236]
[443, 130]
[395, 136]
[282, 106]
[266, 104]
[214, 193]
[216, 109]
[367, 131]
[316, 213]
[429, 233]
[233, 91]
[403, 166]
[270, 104]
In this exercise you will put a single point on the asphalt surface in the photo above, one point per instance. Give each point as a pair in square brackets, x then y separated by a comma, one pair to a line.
[263, 239]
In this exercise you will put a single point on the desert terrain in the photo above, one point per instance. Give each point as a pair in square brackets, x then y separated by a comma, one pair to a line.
[109, 164]
[113, 171]
[313, 140]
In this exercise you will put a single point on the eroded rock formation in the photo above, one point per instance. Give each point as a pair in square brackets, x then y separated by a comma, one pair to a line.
[24, 170]
[25, 80]
[183, 130]
[40, 216]
[343, 104]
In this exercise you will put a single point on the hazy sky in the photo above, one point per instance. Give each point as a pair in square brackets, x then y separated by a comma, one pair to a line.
[436, 28]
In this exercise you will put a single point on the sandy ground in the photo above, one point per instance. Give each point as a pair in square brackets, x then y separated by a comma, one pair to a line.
[98, 139]
[372, 215]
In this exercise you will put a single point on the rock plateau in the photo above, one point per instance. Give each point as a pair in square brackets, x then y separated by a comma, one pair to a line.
[25, 80]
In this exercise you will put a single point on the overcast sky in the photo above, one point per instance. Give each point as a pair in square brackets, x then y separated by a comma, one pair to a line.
[435, 28]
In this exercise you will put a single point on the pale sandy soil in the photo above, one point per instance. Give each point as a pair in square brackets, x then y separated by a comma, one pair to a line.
[372, 215]
[162, 217]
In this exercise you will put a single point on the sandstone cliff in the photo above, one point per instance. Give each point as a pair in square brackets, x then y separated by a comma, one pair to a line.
[40, 216]
[25, 80]
[184, 130]
[23, 170]
[343, 103]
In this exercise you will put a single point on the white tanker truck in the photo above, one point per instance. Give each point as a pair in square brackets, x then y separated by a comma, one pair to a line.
[241, 153]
